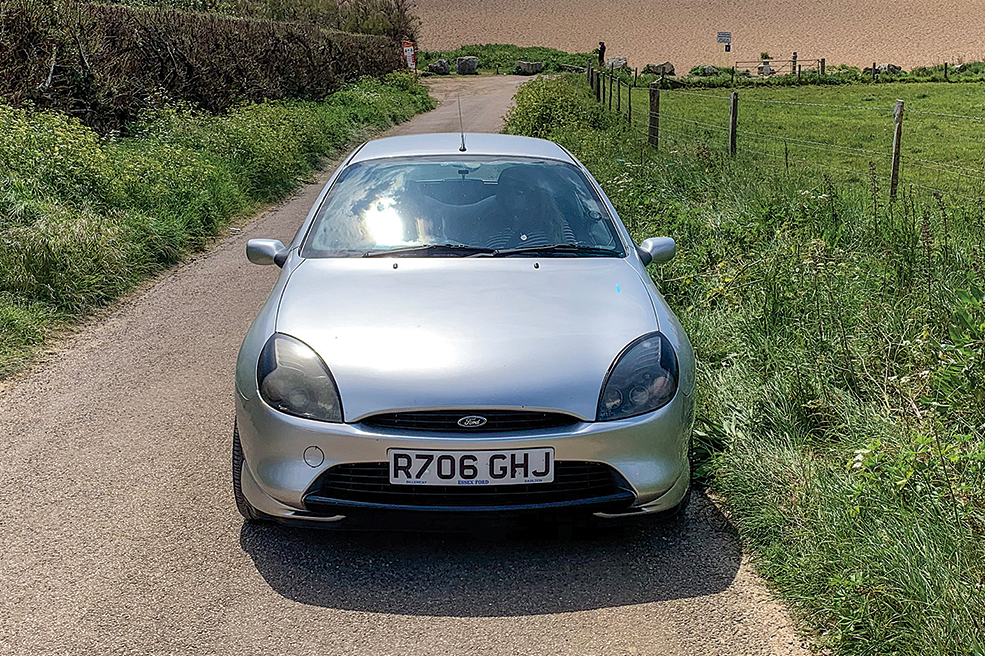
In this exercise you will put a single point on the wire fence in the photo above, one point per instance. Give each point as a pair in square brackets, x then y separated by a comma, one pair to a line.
[865, 141]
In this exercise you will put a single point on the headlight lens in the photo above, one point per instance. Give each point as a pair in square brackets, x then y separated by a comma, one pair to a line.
[293, 379]
[642, 379]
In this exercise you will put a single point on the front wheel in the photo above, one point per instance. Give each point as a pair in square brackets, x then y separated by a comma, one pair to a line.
[242, 504]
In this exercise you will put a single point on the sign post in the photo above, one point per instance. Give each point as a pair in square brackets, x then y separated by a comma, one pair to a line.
[410, 55]
[726, 39]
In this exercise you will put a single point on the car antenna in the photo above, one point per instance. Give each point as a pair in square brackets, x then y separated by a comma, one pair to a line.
[461, 122]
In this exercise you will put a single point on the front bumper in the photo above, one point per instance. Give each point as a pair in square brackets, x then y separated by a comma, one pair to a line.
[649, 452]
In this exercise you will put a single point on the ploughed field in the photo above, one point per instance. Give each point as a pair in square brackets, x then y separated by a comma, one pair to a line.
[857, 32]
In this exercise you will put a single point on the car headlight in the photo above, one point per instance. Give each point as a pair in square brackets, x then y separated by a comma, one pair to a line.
[642, 379]
[293, 379]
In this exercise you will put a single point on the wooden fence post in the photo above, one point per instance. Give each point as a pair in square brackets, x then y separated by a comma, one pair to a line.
[873, 71]
[612, 78]
[945, 72]
[618, 95]
[598, 86]
[653, 132]
[822, 65]
[733, 123]
[897, 137]
[799, 68]
[629, 101]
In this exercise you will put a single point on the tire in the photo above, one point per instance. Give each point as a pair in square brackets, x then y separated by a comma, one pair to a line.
[675, 514]
[242, 504]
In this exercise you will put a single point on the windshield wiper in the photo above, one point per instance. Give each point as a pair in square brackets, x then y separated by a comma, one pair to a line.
[432, 249]
[577, 249]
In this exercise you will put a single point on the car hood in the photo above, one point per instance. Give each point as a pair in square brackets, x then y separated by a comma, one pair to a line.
[467, 333]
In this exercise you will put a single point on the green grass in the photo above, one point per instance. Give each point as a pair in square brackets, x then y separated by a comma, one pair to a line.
[776, 123]
[83, 218]
[841, 347]
[504, 57]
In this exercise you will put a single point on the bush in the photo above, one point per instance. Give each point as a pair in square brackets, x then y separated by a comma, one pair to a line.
[105, 64]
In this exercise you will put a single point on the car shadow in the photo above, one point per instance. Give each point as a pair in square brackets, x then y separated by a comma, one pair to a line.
[497, 571]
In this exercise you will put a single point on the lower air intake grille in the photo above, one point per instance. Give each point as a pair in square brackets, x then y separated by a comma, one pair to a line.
[472, 421]
[367, 485]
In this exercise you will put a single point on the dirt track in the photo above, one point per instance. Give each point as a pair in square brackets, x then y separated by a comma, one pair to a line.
[119, 534]
[858, 32]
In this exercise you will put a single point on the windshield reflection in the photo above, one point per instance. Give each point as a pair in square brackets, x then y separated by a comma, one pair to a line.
[500, 203]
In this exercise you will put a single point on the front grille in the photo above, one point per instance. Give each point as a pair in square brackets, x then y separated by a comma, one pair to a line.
[446, 421]
[367, 485]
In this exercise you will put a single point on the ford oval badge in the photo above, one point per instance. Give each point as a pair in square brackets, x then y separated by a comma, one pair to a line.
[472, 421]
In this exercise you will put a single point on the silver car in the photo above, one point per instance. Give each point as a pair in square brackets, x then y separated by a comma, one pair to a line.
[462, 324]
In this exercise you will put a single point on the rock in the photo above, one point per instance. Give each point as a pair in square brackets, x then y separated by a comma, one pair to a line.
[868, 72]
[665, 68]
[764, 69]
[616, 63]
[529, 68]
[709, 70]
[467, 65]
[892, 69]
[440, 67]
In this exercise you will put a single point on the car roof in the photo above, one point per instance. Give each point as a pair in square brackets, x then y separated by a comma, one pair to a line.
[450, 144]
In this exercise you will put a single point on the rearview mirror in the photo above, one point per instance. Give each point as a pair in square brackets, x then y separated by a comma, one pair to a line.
[266, 251]
[657, 250]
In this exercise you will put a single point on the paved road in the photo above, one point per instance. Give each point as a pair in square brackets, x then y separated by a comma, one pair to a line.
[119, 534]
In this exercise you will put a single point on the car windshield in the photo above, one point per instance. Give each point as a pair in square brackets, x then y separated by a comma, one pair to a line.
[468, 206]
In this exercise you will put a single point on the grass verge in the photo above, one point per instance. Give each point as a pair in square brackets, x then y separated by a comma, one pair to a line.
[841, 344]
[84, 218]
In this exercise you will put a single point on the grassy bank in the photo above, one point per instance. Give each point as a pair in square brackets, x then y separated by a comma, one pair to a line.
[504, 57]
[84, 218]
[841, 345]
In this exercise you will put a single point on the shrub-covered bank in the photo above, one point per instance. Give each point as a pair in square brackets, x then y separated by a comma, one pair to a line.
[84, 218]
[841, 345]
[104, 64]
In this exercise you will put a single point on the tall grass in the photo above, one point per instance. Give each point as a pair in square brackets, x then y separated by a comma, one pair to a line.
[84, 218]
[841, 343]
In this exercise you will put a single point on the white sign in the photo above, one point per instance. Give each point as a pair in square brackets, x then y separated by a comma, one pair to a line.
[725, 37]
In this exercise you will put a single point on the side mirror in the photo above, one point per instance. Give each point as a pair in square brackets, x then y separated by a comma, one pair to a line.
[657, 250]
[266, 251]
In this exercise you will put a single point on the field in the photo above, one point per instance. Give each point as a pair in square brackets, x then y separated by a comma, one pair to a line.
[846, 129]
[841, 340]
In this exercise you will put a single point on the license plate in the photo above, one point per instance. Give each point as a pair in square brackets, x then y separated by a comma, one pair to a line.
[461, 468]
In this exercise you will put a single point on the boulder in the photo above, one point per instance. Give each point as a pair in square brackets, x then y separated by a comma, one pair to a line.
[439, 67]
[529, 68]
[764, 69]
[467, 65]
[616, 63]
[892, 69]
[665, 68]
[709, 70]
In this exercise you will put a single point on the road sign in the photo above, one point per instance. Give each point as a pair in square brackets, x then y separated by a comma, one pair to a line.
[728, 47]
[725, 37]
